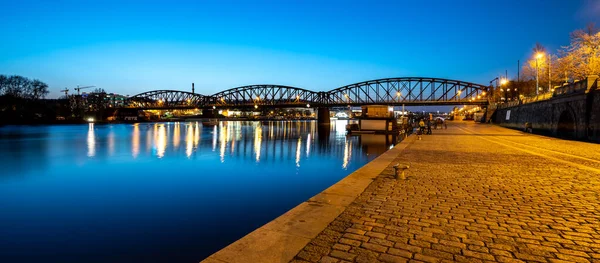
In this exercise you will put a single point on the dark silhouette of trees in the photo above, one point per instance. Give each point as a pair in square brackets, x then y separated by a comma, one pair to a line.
[21, 99]
[22, 87]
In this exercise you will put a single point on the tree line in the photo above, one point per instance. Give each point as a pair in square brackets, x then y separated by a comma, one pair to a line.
[22, 88]
[22, 100]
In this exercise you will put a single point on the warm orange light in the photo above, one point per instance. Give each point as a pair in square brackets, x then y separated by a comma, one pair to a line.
[503, 81]
[539, 55]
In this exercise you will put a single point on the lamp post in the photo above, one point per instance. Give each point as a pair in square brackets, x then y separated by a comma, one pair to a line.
[503, 82]
[537, 72]
[549, 76]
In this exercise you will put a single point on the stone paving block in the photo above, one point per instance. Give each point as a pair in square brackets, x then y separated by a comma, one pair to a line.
[342, 255]
[392, 259]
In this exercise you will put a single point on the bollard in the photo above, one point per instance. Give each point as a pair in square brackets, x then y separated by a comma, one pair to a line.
[399, 171]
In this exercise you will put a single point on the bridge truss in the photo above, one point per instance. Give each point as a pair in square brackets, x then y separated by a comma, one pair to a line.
[158, 99]
[409, 91]
[272, 95]
[390, 91]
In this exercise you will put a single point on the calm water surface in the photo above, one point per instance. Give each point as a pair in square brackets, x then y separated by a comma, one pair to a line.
[160, 192]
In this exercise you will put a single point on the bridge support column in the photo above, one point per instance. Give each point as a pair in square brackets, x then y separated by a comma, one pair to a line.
[323, 116]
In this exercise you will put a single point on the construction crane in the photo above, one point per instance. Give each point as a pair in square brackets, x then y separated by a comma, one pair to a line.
[66, 91]
[80, 88]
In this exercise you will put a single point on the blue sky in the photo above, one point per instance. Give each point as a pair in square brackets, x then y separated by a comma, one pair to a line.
[129, 47]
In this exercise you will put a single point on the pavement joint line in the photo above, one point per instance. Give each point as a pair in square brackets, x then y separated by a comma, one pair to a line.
[539, 154]
[537, 148]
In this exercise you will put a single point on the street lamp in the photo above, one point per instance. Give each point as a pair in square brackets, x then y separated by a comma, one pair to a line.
[537, 71]
[503, 82]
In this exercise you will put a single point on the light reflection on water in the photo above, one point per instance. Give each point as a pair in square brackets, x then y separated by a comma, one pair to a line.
[186, 192]
[91, 141]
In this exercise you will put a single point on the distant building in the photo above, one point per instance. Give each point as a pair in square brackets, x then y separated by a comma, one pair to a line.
[99, 100]
[115, 100]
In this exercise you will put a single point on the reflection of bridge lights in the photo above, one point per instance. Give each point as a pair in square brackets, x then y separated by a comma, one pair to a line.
[308, 139]
[223, 138]
[347, 153]
[214, 141]
[196, 134]
[298, 148]
[135, 142]
[189, 140]
[257, 141]
[161, 141]
[176, 135]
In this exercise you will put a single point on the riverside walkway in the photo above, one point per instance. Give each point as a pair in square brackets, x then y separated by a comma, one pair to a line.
[474, 193]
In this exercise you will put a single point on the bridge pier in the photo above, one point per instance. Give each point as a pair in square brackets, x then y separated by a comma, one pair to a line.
[208, 113]
[323, 116]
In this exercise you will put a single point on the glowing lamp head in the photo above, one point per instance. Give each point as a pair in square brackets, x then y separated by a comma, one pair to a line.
[539, 55]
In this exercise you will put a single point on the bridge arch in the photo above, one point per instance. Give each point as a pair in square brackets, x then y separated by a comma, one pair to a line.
[166, 99]
[567, 124]
[265, 94]
[409, 90]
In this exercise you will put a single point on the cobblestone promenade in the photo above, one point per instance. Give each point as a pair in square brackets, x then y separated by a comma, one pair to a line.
[474, 193]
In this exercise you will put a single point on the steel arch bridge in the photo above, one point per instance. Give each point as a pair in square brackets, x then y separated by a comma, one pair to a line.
[273, 95]
[389, 91]
[167, 99]
[410, 91]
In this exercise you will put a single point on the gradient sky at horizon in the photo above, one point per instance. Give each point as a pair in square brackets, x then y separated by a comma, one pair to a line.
[129, 47]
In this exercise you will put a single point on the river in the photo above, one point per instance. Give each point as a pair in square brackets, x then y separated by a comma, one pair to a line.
[160, 192]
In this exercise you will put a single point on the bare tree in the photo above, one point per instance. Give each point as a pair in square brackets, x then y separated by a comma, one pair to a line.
[39, 89]
[3, 83]
[23, 88]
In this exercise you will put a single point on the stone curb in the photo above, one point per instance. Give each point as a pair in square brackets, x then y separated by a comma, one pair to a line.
[282, 238]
